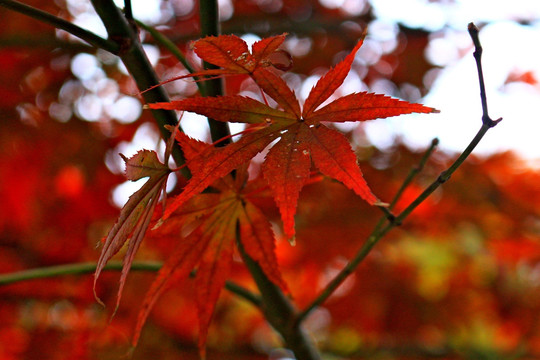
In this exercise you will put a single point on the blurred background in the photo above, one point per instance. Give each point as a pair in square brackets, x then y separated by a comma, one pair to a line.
[459, 280]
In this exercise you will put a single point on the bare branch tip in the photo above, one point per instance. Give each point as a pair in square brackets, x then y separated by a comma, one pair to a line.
[472, 27]
[493, 123]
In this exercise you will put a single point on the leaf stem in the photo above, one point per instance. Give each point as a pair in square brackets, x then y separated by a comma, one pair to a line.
[380, 231]
[62, 24]
[90, 267]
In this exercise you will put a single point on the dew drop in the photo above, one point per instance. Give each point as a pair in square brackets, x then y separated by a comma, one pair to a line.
[305, 152]
[242, 57]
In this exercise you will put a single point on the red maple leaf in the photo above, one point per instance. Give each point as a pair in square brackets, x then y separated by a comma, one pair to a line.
[302, 136]
[231, 53]
[219, 219]
[136, 214]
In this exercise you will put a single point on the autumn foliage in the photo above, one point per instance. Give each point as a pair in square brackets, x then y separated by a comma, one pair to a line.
[276, 210]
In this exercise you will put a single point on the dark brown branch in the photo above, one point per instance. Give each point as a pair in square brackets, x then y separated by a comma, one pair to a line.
[62, 24]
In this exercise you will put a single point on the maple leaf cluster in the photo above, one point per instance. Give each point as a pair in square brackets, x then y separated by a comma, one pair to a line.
[218, 219]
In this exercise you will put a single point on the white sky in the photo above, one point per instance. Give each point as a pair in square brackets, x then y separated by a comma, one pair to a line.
[508, 48]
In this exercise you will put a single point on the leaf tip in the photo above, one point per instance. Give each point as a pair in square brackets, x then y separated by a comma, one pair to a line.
[158, 224]
[97, 298]
[292, 240]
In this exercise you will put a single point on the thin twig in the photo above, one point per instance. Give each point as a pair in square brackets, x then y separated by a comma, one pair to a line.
[169, 45]
[379, 232]
[408, 180]
[478, 50]
[62, 24]
[387, 209]
[166, 43]
[90, 267]
[128, 10]
[414, 171]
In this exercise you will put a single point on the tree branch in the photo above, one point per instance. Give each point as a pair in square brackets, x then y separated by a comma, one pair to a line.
[62, 24]
[134, 58]
[414, 171]
[128, 10]
[208, 12]
[90, 267]
[379, 231]
[478, 50]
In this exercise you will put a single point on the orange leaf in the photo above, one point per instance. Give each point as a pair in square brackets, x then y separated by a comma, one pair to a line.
[258, 241]
[214, 265]
[178, 265]
[286, 168]
[329, 83]
[231, 53]
[222, 162]
[136, 214]
[228, 109]
[209, 247]
[333, 155]
[144, 164]
[263, 48]
[365, 106]
[227, 51]
[287, 165]
[278, 90]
